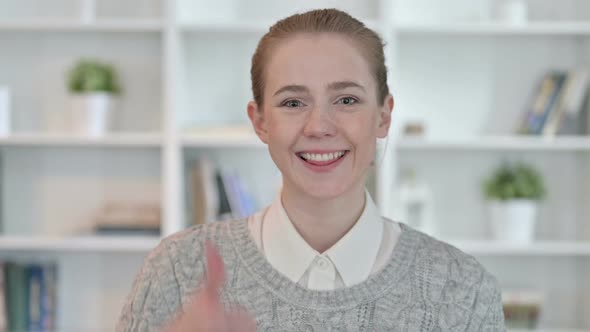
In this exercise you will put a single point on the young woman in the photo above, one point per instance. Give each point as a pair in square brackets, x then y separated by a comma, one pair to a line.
[320, 257]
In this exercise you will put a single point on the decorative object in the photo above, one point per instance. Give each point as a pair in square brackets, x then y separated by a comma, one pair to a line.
[416, 203]
[513, 193]
[5, 118]
[128, 218]
[414, 129]
[522, 308]
[513, 11]
[88, 11]
[93, 85]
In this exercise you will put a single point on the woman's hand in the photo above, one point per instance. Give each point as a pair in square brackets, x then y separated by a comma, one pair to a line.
[205, 311]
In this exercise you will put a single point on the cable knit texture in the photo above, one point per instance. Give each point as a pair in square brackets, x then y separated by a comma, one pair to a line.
[427, 285]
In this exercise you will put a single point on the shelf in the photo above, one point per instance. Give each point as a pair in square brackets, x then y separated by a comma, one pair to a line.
[533, 28]
[227, 27]
[79, 244]
[547, 330]
[114, 25]
[67, 140]
[540, 248]
[222, 138]
[516, 143]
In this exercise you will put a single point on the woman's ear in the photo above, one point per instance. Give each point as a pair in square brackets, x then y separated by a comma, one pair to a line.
[256, 116]
[384, 118]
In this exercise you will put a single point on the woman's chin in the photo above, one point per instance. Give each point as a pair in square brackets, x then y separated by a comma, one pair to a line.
[323, 191]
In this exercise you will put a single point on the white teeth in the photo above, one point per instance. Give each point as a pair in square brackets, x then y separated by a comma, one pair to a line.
[322, 157]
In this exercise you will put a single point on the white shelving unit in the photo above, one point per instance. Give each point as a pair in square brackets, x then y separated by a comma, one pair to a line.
[231, 137]
[57, 140]
[497, 143]
[540, 248]
[79, 244]
[531, 29]
[184, 66]
[113, 25]
[468, 78]
[558, 330]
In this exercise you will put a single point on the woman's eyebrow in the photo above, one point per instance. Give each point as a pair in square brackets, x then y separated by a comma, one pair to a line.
[292, 88]
[341, 85]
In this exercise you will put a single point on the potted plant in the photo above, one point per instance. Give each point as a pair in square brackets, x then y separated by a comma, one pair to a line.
[513, 193]
[93, 86]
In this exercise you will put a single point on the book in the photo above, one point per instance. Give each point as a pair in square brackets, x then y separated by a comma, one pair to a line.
[574, 118]
[35, 289]
[569, 116]
[217, 194]
[131, 230]
[543, 103]
[522, 308]
[1, 195]
[204, 192]
[121, 218]
[3, 313]
[246, 198]
[233, 194]
[49, 297]
[16, 296]
[537, 101]
[225, 211]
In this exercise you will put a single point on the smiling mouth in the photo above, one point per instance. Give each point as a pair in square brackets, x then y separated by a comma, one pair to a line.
[322, 159]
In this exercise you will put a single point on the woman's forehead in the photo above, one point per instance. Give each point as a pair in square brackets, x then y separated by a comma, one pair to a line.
[320, 60]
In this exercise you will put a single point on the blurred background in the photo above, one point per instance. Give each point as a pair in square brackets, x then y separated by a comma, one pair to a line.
[122, 122]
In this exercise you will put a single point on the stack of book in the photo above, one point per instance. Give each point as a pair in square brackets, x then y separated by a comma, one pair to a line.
[559, 105]
[214, 194]
[126, 218]
[28, 297]
[522, 308]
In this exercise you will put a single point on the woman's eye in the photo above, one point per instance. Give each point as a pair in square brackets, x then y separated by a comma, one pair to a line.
[347, 101]
[293, 103]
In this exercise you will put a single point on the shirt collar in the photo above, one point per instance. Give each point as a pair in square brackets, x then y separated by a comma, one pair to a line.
[353, 255]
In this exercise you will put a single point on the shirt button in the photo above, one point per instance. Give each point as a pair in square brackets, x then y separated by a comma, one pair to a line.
[323, 263]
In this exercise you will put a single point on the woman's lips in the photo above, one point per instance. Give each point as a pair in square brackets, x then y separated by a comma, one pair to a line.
[323, 166]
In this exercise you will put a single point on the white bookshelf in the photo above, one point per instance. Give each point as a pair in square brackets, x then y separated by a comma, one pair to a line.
[548, 330]
[538, 248]
[498, 143]
[185, 66]
[222, 138]
[226, 27]
[126, 140]
[468, 80]
[497, 29]
[64, 25]
[79, 244]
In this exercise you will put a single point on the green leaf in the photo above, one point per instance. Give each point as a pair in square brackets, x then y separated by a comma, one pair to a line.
[93, 76]
[514, 181]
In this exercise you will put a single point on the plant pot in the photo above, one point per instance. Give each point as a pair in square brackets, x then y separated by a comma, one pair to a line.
[91, 113]
[514, 220]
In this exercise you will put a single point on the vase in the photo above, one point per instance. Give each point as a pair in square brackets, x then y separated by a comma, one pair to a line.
[91, 114]
[513, 220]
[5, 112]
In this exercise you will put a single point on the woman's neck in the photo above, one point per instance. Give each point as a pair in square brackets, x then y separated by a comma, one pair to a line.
[322, 223]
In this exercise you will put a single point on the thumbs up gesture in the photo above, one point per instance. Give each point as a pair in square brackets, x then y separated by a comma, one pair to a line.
[205, 312]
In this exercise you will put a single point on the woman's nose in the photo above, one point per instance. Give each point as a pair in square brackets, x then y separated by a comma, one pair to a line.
[319, 123]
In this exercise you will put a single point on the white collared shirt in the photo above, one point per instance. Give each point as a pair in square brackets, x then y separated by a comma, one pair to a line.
[364, 250]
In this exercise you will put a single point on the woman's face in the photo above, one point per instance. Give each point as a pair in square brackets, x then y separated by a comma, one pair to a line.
[320, 116]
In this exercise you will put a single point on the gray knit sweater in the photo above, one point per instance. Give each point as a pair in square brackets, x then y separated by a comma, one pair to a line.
[426, 286]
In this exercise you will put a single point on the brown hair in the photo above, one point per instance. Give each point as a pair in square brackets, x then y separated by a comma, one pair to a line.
[318, 21]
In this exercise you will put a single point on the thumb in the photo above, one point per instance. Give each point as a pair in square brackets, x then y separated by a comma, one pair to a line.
[215, 270]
